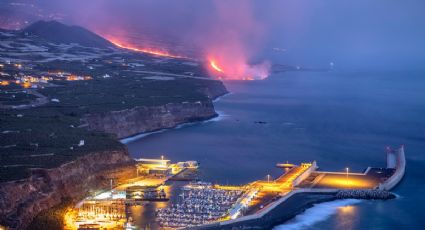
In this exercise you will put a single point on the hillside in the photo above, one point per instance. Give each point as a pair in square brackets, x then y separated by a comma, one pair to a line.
[58, 33]
[66, 96]
[47, 91]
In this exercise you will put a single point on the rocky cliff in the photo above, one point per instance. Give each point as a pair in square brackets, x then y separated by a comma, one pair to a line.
[21, 201]
[141, 119]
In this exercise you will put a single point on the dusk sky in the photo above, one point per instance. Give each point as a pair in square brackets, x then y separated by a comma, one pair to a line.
[212, 114]
[353, 34]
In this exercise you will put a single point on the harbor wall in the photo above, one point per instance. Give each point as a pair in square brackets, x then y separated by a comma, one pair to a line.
[400, 170]
[292, 204]
[305, 174]
[287, 207]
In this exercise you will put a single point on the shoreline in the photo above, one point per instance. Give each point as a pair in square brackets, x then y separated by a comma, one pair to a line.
[316, 213]
[285, 210]
[220, 115]
[288, 211]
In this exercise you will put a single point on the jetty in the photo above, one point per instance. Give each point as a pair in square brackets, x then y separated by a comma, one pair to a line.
[108, 209]
[303, 186]
[260, 204]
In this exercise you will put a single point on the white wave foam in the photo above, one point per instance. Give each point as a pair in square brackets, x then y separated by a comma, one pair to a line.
[222, 96]
[139, 136]
[221, 116]
[397, 196]
[317, 213]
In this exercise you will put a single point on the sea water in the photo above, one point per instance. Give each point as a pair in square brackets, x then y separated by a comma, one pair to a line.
[340, 119]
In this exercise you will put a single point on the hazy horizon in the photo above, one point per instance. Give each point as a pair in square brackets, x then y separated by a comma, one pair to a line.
[384, 35]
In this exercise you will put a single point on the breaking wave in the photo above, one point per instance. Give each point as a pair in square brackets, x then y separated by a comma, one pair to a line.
[220, 117]
[317, 213]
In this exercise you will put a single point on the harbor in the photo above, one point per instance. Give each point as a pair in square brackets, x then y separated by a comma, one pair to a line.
[204, 205]
[199, 203]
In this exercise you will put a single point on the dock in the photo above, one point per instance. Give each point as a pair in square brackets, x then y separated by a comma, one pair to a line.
[302, 186]
[259, 204]
[108, 209]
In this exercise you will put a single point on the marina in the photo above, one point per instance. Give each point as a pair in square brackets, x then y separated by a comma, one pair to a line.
[199, 203]
[238, 115]
[205, 205]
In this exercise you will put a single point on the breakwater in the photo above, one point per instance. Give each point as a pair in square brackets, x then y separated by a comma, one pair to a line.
[285, 208]
[400, 169]
[292, 204]
[367, 194]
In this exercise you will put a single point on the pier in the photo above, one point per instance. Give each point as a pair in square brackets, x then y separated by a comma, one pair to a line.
[108, 209]
[262, 203]
[200, 203]
[303, 186]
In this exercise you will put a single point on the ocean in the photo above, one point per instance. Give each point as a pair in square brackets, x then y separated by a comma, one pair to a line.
[340, 119]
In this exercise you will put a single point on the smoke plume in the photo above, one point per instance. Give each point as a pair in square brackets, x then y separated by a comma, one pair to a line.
[224, 32]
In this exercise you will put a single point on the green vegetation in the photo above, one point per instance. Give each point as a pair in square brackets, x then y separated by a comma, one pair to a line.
[119, 93]
[44, 137]
[16, 97]
[49, 135]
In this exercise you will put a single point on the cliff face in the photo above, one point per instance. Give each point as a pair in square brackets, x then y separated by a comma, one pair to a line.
[21, 201]
[141, 119]
[215, 90]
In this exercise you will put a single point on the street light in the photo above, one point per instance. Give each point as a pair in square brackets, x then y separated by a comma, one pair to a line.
[162, 157]
[346, 169]
[268, 178]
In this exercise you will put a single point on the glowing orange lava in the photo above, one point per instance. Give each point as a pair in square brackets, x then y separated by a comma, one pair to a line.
[145, 50]
[215, 66]
[221, 74]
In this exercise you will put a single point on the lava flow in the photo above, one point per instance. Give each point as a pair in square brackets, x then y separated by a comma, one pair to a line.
[145, 50]
[215, 66]
[237, 70]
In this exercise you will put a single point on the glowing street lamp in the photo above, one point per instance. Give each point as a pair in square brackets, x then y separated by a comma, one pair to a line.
[346, 170]
[268, 178]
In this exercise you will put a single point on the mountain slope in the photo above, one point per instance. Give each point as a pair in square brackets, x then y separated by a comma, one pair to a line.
[56, 32]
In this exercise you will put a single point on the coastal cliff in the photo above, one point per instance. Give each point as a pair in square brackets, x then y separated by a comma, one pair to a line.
[21, 201]
[125, 123]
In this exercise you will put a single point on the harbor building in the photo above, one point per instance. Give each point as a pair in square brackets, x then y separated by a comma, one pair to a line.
[153, 166]
[145, 193]
[202, 205]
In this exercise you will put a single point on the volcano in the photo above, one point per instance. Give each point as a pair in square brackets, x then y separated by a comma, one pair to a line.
[58, 33]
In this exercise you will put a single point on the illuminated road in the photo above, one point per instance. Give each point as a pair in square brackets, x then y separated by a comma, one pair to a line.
[343, 180]
[270, 190]
[141, 182]
[284, 183]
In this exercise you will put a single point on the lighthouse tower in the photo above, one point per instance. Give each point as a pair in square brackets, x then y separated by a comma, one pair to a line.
[391, 158]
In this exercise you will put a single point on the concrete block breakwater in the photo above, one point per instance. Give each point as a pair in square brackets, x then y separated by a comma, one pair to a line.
[368, 194]
[336, 186]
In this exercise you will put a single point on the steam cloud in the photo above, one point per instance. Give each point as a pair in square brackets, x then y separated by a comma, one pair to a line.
[233, 39]
[224, 31]
[360, 34]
